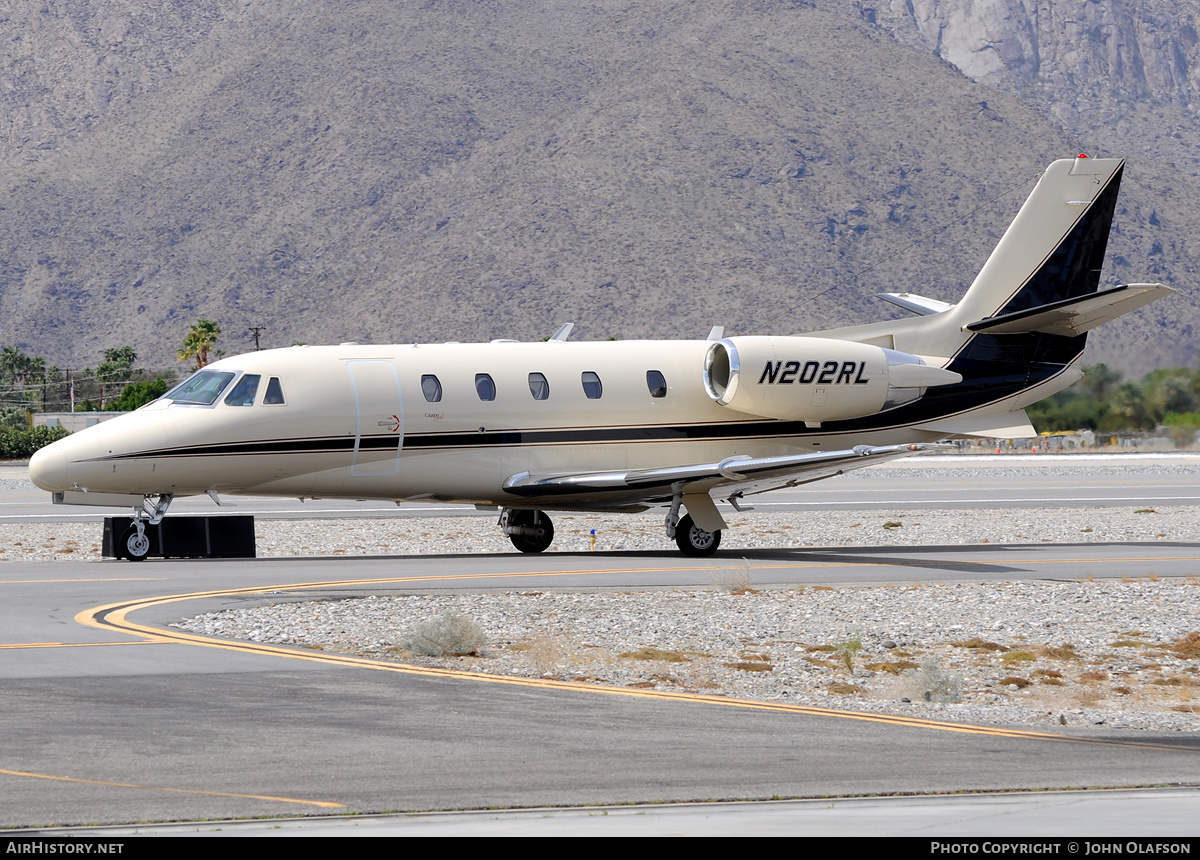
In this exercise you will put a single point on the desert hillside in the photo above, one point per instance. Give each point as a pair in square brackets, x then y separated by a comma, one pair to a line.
[461, 170]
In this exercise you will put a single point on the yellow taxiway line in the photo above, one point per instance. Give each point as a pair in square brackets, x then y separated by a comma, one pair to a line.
[324, 804]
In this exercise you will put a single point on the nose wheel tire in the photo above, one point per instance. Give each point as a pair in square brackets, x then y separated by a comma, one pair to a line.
[695, 541]
[133, 547]
[539, 535]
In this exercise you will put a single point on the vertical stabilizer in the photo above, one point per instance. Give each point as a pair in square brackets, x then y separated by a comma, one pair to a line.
[1054, 248]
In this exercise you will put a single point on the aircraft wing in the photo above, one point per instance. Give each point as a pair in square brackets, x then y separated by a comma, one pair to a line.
[738, 474]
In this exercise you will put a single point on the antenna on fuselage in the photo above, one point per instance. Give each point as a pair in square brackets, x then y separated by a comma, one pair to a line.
[564, 332]
[717, 332]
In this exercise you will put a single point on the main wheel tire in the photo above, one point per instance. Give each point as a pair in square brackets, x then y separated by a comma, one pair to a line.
[695, 541]
[132, 547]
[532, 543]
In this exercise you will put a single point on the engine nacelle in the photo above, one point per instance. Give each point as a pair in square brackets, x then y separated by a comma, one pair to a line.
[814, 379]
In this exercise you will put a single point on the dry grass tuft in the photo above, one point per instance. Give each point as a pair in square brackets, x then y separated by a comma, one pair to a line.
[650, 653]
[846, 650]
[1057, 652]
[1013, 681]
[1017, 657]
[977, 644]
[750, 666]
[1188, 646]
[894, 668]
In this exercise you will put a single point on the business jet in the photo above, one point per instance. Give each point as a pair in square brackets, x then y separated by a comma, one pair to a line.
[527, 428]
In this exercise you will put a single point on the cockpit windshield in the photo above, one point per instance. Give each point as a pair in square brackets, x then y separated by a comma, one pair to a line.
[201, 388]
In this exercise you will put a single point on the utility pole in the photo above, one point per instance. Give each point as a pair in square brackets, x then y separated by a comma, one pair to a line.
[256, 330]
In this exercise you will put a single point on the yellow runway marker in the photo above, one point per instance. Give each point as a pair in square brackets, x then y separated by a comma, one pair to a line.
[324, 804]
[114, 616]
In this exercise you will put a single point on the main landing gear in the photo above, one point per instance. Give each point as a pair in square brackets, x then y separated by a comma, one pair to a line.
[529, 531]
[689, 537]
[134, 545]
[532, 531]
[695, 541]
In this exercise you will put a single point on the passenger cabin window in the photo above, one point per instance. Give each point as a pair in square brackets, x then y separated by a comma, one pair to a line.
[591, 385]
[274, 396]
[484, 387]
[657, 383]
[201, 388]
[539, 387]
[431, 388]
[243, 393]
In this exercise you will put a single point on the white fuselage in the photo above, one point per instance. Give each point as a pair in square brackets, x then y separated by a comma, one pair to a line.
[355, 422]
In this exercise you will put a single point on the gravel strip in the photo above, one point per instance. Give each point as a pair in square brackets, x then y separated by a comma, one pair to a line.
[1107, 654]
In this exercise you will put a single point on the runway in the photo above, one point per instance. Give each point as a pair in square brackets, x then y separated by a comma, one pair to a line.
[113, 716]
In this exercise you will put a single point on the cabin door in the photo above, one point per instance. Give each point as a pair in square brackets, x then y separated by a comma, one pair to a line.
[379, 436]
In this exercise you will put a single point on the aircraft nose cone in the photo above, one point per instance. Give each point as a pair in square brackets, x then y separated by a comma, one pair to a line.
[48, 468]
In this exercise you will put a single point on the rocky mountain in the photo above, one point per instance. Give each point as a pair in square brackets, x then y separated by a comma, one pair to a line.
[371, 171]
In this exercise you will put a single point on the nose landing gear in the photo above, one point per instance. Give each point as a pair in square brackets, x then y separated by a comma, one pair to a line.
[134, 545]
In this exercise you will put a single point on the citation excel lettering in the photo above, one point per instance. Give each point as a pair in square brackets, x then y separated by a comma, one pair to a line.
[826, 373]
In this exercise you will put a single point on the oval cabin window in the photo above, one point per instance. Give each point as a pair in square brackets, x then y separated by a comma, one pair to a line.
[484, 387]
[591, 385]
[657, 383]
[539, 387]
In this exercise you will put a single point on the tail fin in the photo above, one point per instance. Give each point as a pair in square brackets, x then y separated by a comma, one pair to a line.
[1054, 248]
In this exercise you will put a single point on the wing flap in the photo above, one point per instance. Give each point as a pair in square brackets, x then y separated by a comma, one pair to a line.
[704, 477]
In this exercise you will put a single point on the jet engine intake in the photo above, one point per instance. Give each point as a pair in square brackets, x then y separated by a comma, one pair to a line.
[814, 379]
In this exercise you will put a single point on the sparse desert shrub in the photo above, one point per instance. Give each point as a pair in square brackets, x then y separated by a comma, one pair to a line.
[546, 653]
[734, 581]
[452, 635]
[932, 683]
[1016, 657]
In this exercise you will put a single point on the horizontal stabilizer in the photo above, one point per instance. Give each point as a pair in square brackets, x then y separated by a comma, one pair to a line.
[1006, 425]
[919, 305]
[1074, 316]
[707, 476]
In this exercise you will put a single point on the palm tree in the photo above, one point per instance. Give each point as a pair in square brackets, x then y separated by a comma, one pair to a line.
[199, 341]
